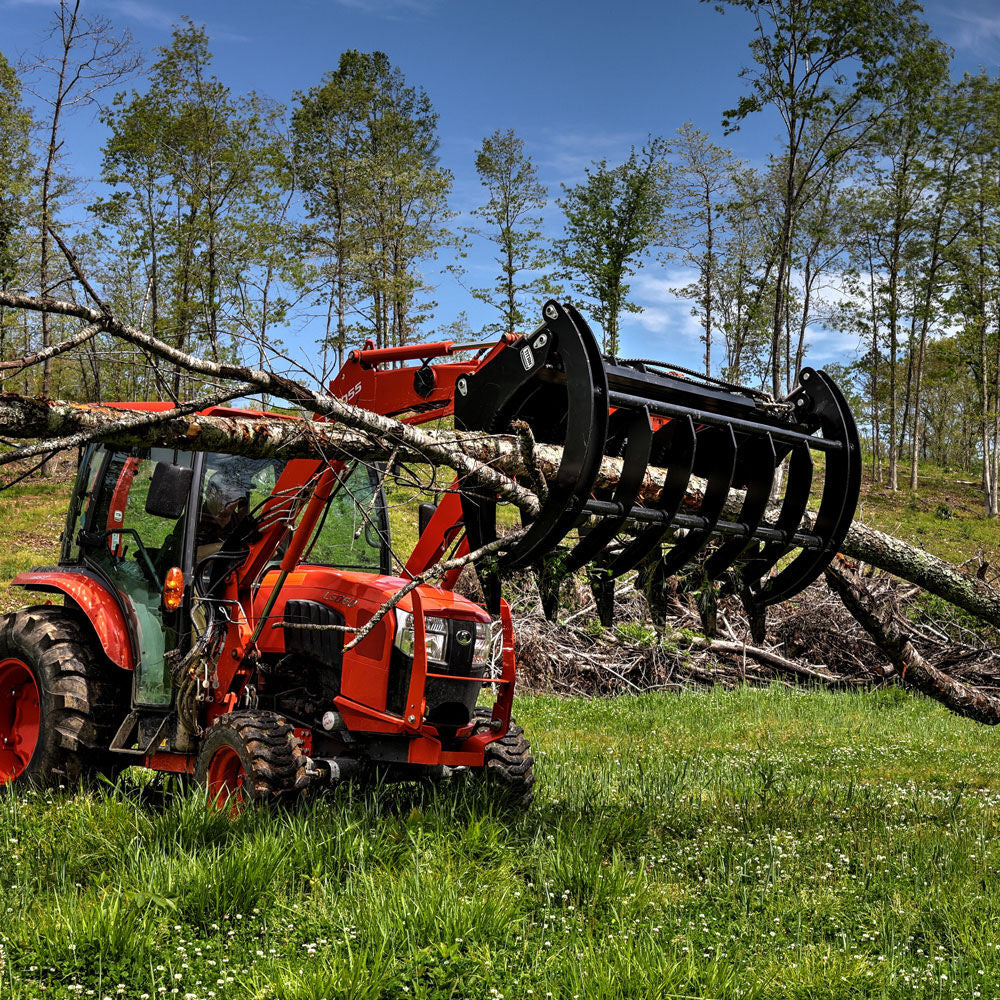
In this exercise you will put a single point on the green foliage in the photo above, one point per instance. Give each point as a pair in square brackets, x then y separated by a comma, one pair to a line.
[701, 185]
[15, 178]
[198, 179]
[366, 150]
[830, 70]
[511, 222]
[613, 217]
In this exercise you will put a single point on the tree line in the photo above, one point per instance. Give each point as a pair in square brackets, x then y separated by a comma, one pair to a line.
[225, 220]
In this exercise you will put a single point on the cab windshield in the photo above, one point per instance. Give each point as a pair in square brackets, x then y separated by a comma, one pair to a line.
[353, 532]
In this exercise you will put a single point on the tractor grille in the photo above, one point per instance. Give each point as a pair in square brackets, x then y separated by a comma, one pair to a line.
[450, 704]
[325, 645]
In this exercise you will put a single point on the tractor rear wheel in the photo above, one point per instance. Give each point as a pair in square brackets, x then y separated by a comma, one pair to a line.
[60, 701]
[250, 757]
[508, 766]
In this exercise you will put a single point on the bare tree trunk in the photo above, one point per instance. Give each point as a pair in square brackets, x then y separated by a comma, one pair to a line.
[911, 669]
[893, 366]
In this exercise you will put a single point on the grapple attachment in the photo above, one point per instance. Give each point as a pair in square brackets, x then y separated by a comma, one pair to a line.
[717, 442]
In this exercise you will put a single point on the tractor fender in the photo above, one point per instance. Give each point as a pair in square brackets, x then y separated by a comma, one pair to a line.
[94, 600]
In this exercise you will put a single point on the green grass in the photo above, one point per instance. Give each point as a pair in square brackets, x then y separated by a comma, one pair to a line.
[944, 516]
[751, 844]
[32, 515]
[748, 844]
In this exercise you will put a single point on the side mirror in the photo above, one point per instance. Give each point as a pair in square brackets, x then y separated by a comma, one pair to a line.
[168, 490]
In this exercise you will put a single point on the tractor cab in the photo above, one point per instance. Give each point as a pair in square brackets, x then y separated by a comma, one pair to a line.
[160, 529]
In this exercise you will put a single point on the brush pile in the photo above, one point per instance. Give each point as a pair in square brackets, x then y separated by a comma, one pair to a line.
[812, 640]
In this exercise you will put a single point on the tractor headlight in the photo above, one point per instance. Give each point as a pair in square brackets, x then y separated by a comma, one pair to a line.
[483, 650]
[435, 630]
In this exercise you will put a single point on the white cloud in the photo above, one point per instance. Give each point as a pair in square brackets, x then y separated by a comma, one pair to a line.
[391, 8]
[145, 13]
[568, 154]
[975, 29]
[665, 329]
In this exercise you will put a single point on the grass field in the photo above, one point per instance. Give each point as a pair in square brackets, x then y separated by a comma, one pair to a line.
[749, 844]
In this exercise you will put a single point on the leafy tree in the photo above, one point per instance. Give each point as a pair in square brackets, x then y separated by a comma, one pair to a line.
[975, 271]
[613, 218]
[16, 168]
[743, 282]
[701, 183]
[952, 121]
[830, 69]
[378, 193]
[328, 127]
[899, 182]
[511, 223]
[88, 57]
[199, 177]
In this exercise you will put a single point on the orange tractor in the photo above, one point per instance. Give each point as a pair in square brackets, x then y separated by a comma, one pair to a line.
[208, 599]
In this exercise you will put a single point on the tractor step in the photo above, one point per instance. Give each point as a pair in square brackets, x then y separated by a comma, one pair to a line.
[121, 744]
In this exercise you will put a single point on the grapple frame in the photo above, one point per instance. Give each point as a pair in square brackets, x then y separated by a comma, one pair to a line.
[556, 382]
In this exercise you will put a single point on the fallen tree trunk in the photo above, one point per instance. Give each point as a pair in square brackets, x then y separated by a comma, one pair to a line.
[490, 461]
[911, 669]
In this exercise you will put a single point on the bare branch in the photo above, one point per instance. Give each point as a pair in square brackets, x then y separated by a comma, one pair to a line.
[87, 333]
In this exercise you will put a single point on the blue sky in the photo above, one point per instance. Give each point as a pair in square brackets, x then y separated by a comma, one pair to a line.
[577, 79]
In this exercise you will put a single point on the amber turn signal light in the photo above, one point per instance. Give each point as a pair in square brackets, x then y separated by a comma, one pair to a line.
[173, 588]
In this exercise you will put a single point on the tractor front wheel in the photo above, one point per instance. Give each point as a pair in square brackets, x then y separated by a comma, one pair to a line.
[250, 757]
[508, 765]
[60, 701]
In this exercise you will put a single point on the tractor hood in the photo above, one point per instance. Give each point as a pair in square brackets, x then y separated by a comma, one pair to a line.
[354, 596]
[364, 592]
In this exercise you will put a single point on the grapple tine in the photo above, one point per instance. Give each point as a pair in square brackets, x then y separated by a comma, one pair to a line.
[720, 480]
[759, 457]
[793, 506]
[638, 445]
[515, 386]
[480, 516]
[679, 441]
[841, 488]
[602, 585]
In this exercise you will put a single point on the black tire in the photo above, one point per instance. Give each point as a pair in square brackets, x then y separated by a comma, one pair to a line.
[253, 757]
[75, 693]
[508, 767]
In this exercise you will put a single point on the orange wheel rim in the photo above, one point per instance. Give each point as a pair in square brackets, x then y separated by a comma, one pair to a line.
[226, 776]
[20, 716]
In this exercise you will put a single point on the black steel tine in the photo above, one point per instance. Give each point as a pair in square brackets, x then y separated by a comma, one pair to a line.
[720, 480]
[841, 488]
[602, 585]
[586, 433]
[759, 457]
[793, 506]
[634, 464]
[683, 446]
[480, 516]
[549, 575]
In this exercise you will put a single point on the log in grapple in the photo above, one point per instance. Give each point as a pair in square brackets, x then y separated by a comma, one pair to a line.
[556, 383]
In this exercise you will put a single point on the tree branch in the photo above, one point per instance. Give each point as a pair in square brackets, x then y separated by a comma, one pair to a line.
[912, 670]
